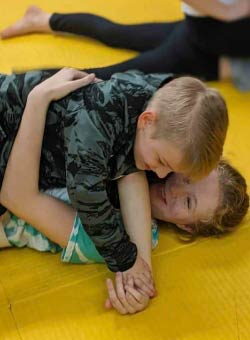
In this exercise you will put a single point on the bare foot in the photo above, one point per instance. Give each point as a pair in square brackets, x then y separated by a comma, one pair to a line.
[34, 20]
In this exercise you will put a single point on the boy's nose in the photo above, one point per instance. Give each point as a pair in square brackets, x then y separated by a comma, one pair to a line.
[162, 172]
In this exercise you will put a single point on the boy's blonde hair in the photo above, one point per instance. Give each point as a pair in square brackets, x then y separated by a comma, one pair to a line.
[194, 118]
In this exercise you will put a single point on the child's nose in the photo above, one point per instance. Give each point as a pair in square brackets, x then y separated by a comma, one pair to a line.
[176, 190]
[162, 171]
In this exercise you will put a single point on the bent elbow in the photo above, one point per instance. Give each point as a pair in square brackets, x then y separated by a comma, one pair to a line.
[12, 200]
[6, 198]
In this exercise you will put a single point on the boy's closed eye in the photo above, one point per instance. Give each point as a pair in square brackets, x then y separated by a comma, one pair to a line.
[164, 163]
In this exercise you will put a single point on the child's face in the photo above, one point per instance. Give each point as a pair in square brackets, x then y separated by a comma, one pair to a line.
[180, 202]
[158, 155]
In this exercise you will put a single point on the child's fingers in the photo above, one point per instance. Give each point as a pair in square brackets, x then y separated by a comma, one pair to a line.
[122, 294]
[139, 296]
[124, 278]
[113, 298]
[97, 80]
[71, 73]
[77, 74]
[127, 279]
[139, 299]
[108, 304]
[148, 274]
[133, 302]
[148, 282]
[147, 279]
[151, 287]
[76, 84]
[143, 286]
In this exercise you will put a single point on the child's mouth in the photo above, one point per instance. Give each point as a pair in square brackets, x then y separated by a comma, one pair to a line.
[163, 194]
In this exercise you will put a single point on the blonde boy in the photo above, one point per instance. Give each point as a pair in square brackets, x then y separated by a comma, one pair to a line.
[108, 131]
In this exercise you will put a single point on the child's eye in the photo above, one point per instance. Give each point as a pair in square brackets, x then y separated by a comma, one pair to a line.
[161, 162]
[188, 202]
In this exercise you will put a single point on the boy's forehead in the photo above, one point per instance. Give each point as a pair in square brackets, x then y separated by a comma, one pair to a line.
[172, 155]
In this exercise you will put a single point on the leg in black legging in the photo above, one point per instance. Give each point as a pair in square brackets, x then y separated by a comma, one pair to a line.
[177, 54]
[223, 38]
[141, 37]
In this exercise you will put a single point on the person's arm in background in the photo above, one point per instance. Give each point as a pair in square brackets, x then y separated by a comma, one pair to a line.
[235, 10]
[20, 192]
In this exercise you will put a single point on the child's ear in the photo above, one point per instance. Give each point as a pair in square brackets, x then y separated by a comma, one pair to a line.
[146, 118]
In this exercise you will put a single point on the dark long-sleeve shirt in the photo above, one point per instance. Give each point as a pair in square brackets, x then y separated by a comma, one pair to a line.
[88, 142]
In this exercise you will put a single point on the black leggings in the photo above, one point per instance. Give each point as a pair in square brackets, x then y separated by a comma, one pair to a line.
[190, 46]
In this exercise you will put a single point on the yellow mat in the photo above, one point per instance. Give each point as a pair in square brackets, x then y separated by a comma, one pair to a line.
[204, 287]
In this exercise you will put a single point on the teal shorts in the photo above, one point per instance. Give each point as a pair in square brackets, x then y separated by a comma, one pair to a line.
[15, 232]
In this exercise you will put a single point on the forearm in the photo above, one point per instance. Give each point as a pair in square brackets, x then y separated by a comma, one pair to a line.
[20, 191]
[226, 12]
[136, 211]
[21, 178]
[238, 10]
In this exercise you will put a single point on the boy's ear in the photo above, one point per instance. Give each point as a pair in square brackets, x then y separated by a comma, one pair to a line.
[146, 118]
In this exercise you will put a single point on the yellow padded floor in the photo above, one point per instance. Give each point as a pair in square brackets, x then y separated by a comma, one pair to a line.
[204, 287]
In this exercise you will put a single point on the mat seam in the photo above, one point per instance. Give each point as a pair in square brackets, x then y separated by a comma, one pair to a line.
[9, 306]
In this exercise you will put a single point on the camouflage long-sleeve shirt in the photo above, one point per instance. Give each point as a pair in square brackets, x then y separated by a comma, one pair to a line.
[88, 142]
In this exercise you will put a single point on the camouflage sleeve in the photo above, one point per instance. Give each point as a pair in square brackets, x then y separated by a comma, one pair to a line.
[97, 121]
[89, 141]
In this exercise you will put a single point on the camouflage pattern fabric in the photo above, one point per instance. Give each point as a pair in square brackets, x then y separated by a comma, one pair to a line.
[88, 142]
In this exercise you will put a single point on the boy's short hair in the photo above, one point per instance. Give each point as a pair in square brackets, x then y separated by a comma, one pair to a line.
[194, 117]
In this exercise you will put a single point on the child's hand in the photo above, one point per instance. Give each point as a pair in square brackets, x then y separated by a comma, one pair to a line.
[142, 276]
[125, 299]
[62, 83]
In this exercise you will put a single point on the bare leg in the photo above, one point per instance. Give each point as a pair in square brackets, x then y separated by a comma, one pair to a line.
[34, 20]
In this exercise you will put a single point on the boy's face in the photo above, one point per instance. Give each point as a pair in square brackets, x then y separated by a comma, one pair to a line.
[158, 155]
[179, 201]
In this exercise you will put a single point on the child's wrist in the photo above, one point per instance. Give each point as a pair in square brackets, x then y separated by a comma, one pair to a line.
[40, 95]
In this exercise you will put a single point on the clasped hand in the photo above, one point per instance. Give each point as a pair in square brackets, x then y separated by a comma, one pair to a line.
[132, 289]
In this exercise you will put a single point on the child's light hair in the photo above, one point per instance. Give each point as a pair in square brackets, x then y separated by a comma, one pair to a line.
[234, 201]
[233, 206]
[194, 118]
